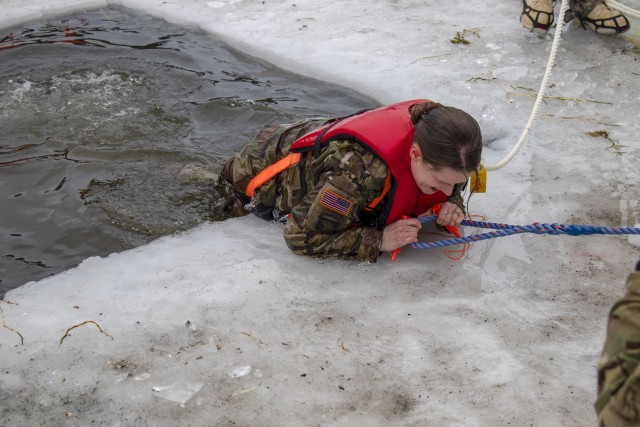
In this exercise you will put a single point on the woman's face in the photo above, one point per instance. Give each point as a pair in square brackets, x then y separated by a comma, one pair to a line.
[430, 180]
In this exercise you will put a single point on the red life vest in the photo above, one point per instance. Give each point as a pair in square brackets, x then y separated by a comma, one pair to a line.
[387, 132]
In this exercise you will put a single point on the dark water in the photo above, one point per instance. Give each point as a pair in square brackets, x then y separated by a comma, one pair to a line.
[111, 124]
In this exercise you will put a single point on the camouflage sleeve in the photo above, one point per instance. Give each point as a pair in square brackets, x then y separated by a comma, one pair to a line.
[618, 402]
[322, 224]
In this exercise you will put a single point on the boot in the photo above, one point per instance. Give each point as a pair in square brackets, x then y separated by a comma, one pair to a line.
[537, 15]
[597, 16]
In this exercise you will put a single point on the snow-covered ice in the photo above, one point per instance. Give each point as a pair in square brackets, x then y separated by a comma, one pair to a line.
[223, 325]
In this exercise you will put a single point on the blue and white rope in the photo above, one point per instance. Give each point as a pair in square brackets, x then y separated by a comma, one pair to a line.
[502, 230]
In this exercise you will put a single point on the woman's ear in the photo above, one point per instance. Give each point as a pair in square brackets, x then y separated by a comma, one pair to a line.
[415, 152]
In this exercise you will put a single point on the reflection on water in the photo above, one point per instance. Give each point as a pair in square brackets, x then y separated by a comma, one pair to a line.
[113, 124]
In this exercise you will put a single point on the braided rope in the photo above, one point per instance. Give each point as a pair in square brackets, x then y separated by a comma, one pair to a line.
[622, 8]
[541, 92]
[543, 85]
[502, 230]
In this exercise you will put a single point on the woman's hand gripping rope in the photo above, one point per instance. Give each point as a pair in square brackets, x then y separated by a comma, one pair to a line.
[502, 230]
[400, 233]
[449, 215]
[405, 230]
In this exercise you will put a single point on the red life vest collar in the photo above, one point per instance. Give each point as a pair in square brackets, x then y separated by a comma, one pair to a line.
[387, 132]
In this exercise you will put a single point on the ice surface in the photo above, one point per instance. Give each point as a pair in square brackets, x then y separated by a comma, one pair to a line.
[509, 335]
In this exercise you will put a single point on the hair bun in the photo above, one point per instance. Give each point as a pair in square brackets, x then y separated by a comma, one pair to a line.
[418, 110]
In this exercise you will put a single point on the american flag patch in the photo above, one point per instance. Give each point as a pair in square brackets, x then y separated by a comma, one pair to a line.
[336, 203]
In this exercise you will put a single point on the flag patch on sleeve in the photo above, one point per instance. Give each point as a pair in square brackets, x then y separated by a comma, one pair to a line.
[336, 203]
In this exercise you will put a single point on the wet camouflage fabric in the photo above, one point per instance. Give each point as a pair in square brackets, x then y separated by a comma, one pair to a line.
[348, 172]
[618, 402]
[270, 145]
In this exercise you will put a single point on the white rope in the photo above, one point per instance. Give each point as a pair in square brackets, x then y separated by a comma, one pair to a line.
[552, 59]
[622, 8]
[539, 99]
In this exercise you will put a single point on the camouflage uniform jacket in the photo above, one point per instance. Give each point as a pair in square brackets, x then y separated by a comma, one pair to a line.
[345, 169]
[618, 402]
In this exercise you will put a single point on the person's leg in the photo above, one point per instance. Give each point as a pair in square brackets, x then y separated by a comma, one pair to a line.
[228, 201]
[597, 16]
[537, 15]
[270, 145]
[239, 170]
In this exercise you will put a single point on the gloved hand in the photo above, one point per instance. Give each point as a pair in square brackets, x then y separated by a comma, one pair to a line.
[638, 266]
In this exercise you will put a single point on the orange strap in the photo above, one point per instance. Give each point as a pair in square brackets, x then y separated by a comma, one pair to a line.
[269, 172]
[272, 171]
[385, 190]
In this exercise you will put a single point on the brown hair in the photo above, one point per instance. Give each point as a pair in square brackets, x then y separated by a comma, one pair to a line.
[447, 136]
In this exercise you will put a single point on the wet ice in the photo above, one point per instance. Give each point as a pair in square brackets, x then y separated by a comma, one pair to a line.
[507, 336]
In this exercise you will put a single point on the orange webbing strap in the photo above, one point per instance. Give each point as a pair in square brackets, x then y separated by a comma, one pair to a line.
[385, 190]
[270, 172]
